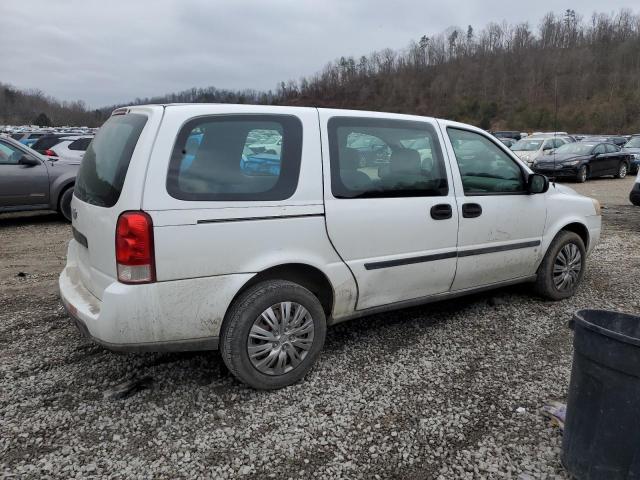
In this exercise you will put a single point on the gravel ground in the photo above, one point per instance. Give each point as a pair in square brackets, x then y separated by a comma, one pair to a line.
[429, 392]
[610, 191]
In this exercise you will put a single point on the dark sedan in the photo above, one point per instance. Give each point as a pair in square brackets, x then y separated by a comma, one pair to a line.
[632, 147]
[583, 160]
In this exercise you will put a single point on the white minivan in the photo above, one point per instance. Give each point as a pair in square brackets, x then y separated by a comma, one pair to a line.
[190, 234]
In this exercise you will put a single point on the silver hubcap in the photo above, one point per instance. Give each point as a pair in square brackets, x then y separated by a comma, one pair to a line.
[623, 170]
[280, 338]
[583, 173]
[567, 267]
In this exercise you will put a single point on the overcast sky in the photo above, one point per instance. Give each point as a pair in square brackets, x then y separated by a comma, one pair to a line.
[111, 51]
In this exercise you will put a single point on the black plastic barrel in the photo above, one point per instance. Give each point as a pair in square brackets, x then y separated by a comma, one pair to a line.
[602, 428]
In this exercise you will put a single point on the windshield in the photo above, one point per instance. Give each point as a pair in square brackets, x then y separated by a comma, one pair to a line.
[575, 148]
[106, 161]
[526, 145]
[633, 143]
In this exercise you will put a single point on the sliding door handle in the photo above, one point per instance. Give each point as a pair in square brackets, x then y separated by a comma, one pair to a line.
[442, 211]
[471, 210]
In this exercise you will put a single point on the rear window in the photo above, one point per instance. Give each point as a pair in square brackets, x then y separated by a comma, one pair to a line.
[236, 157]
[106, 161]
[80, 144]
[45, 143]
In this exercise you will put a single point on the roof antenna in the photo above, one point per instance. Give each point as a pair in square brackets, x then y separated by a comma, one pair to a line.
[555, 126]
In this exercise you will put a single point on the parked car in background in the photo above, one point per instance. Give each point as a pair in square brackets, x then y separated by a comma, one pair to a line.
[47, 141]
[260, 163]
[634, 196]
[563, 135]
[508, 134]
[30, 181]
[371, 151]
[549, 134]
[615, 139]
[509, 142]
[259, 262]
[71, 148]
[582, 160]
[632, 147]
[619, 140]
[28, 138]
[533, 148]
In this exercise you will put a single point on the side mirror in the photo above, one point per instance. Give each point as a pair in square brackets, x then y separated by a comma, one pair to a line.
[28, 161]
[537, 183]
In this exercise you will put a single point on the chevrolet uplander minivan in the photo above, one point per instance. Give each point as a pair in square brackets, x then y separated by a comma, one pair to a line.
[250, 229]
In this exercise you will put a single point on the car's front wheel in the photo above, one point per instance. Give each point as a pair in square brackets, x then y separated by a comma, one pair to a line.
[64, 204]
[562, 268]
[622, 170]
[273, 334]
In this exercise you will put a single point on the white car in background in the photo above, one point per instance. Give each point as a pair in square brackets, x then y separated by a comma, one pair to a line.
[531, 149]
[70, 148]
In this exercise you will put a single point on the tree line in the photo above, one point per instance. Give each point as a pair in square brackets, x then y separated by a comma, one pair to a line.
[568, 73]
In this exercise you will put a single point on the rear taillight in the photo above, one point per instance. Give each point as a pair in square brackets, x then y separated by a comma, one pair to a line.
[135, 257]
[50, 153]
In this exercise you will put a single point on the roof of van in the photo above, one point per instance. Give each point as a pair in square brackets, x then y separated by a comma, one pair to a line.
[124, 109]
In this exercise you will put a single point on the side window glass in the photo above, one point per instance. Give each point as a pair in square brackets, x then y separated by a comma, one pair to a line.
[373, 157]
[611, 148]
[9, 155]
[244, 157]
[599, 149]
[484, 167]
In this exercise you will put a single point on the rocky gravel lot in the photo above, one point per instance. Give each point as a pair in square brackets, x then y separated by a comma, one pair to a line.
[430, 392]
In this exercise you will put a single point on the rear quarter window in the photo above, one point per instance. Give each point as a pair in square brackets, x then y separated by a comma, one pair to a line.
[236, 157]
[107, 159]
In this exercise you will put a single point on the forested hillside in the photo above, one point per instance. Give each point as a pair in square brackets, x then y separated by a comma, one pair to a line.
[504, 76]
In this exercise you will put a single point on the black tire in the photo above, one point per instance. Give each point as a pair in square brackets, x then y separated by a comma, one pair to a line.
[545, 285]
[240, 319]
[64, 203]
[583, 174]
[622, 170]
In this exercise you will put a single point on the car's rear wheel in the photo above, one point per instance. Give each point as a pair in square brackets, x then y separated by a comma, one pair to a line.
[562, 268]
[273, 334]
[583, 174]
[64, 203]
[622, 170]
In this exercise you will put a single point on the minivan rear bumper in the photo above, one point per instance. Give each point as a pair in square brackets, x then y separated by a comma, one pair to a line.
[179, 315]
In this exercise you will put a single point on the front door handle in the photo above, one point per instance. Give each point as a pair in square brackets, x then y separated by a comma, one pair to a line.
[442, 211]
[471, 210]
